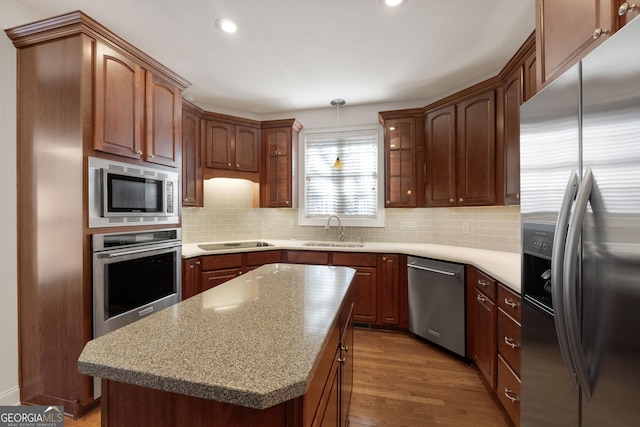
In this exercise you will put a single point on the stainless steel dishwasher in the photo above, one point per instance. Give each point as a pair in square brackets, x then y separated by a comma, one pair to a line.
[437, 302]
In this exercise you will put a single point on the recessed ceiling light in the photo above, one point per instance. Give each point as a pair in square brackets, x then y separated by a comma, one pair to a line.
[392, 3]
[227, 25]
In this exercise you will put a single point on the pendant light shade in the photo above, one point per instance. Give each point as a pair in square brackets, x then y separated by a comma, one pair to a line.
[337, 103]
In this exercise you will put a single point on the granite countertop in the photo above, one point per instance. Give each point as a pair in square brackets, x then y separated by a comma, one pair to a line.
[253, 341]
[503, 266]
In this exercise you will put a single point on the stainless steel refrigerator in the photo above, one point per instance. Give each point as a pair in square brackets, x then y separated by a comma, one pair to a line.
[580, 206]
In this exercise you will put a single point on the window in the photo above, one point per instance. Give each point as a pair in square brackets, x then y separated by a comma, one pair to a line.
[353, 192]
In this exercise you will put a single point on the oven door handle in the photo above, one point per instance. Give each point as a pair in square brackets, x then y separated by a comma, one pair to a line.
[138, 251]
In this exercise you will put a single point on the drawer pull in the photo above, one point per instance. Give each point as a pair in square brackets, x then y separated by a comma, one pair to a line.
[342, 360]
[482, 283]
[345, 348]
[626, 7]
[511, 303]
[511, 395]
[481, 298]
[511, 343]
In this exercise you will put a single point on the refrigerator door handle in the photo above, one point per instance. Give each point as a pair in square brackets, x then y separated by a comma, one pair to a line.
[557, 262]
[570, 298]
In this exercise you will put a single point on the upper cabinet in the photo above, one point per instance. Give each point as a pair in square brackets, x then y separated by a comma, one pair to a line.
[403, 159]
[138, 113]
[278, 185]
[232, 145]
[461, 152]
[519, 85]
[192, 185]
[566, 30]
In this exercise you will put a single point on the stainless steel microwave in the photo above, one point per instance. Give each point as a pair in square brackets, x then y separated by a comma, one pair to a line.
[127, 194]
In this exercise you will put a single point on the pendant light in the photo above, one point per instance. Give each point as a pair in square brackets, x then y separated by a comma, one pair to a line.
[337, 103]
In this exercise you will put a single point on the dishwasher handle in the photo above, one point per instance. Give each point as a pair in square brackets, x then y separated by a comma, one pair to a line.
[432, 270]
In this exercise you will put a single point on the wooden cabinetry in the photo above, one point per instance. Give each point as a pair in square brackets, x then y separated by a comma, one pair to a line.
[389, 289]
[364, 288]
[192, 185]
[566, 30]
[191, 272]
[81, 88]
[461, 152]
[482, 323]
[209, 271]
[404, 158]
[138, 114]
[509, 339]
[231, 144]
[493, 337]
[278, 185]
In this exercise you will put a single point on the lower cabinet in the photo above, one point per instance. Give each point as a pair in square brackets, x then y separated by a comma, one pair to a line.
[209, 271]
[493, 337]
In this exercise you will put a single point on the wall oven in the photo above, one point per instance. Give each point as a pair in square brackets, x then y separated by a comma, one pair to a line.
[134, 275]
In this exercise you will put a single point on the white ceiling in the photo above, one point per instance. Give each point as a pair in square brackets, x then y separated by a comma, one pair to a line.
[292, 55]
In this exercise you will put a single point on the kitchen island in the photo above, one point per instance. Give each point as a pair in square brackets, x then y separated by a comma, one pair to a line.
[268, 348]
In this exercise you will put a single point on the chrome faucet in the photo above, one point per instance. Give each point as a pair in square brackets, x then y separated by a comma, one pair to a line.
[340, 229]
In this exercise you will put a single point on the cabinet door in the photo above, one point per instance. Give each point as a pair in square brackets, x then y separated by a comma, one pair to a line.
[163, 143]
[530, 82]
[389, 289]
[400, 166]
[566, 30]
[191, 167]
[277, 187]
[440, 130]
[627, 10]
[476, 151]
[346, 374]
[246, 150]
[485, 341]
[218, 145]
[119, 103]
[512, 100]
[191, 272]
[364, 291]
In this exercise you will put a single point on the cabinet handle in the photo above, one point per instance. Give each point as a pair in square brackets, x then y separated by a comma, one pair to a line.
[518, 196]
[450, 200]
[192, 266]
[229, 164]
[237, 165]
[510, 302]
[287, 202]
[138, 152]
[482, 283]
[511, 343]
[481, 298]
[626, 7]
[388, 202]
[345, 348]
[197, 262]
[600, 32]
[342, 360]
[239, 273]
[511, 395]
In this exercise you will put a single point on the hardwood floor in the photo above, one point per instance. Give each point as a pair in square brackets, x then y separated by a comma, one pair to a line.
[401, 381]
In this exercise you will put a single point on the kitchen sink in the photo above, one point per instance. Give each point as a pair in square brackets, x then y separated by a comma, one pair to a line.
[232, 245]
[335, 244]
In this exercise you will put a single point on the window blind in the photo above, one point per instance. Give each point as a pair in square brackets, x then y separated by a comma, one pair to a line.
[349, 192]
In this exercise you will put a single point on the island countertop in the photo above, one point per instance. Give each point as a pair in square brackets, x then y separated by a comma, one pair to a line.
[253, 341]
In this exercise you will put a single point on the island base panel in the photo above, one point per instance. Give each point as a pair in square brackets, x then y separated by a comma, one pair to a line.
[127, 405]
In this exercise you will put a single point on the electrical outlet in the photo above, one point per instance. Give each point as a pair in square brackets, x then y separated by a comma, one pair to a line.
[465, 228]
[408, 225]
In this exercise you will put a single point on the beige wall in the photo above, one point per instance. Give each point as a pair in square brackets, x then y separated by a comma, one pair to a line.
[228, 215]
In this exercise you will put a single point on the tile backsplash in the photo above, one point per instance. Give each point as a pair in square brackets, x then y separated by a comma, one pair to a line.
[228, 215]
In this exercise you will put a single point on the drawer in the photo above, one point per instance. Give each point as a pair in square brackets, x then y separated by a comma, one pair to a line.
[308, 257]
[218, 262]
[509, 301]
[483, 282]
[355, 259]
[211, 279]
[508, 391]
[509, 340]
[263, 257]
